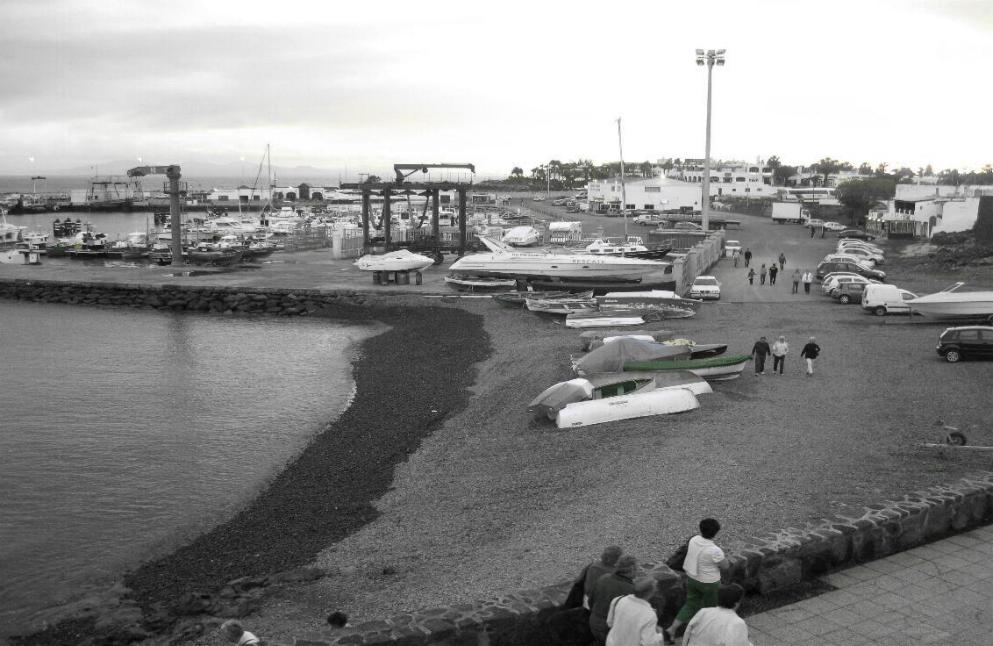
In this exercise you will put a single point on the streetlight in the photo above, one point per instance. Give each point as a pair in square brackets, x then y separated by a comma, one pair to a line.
[709, 58]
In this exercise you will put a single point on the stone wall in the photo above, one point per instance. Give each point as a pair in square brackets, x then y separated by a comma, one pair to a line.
[762, 565]
[179, 298]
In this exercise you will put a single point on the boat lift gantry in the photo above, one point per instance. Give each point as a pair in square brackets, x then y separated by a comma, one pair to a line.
[174, 191]
[400, 186]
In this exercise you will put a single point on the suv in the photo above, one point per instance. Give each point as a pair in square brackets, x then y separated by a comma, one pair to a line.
[857, 268]
[964, 342]
[849, 292]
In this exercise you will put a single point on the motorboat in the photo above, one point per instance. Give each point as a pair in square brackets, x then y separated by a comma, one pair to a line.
[399, 260]
[715, 368]
[522, 236]
[479, 283]
[592, 339]
[582, 402]
[656, 299]
[504, 260]
[224, 225]
[952, 304]
[632, 246]
[9, 233]
[213, 254]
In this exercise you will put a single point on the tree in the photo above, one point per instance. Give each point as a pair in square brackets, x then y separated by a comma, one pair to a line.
[775, 164]
[860, 195]
[517, 173]
[881, 169]
[950, 177]
[865, 168]
[902, 174]
[828, 167]
[646, 169]
[928, 171]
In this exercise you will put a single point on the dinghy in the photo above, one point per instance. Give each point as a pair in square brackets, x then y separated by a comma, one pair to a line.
[714, 368]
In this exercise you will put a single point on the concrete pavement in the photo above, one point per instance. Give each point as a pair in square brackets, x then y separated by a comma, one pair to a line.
[939, 593]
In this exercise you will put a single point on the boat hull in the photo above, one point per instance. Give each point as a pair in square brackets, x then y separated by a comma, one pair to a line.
[715, 368]
[970, 309]
[637, 404]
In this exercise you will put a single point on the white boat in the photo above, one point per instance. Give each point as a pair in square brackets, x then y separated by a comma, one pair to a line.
[645, 400]
[9, 233]
[952, 304]
[522, 236]
[620, 318]
[503, 260]
[560, 306]
[479, 283]
[632, 246]
[592, 339]
[399, 260]
[229, 226]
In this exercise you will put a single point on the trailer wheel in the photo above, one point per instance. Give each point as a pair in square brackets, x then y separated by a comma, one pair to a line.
[955, 438]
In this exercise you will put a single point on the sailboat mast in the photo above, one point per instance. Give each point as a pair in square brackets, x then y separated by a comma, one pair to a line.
[624, 199]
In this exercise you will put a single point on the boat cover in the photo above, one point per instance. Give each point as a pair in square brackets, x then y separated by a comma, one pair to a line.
[611, 357]
[557, 397]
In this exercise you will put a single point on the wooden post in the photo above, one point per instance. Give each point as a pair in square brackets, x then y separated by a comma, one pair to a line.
[387, 217]
[462, 221]
[435, 211]
[365, 220]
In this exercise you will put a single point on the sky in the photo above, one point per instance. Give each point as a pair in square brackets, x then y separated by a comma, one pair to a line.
[354, 87]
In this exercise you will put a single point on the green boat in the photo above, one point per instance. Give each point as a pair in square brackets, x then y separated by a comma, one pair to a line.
[721, 367]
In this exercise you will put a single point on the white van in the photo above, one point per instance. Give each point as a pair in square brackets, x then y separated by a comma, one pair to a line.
[886, 299]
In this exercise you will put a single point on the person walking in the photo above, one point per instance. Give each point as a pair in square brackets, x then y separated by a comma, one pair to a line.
[751, 275]
[810, 352]
[782, 261]
[719, 625]
[748, 256]
[773, 272]
[608, 587]
[703, 565]
[796, 281]
[779, 351]
[762, 275]
[807, 279]
[760, 351]
[734, 257]
[632, 619]
[811, 230]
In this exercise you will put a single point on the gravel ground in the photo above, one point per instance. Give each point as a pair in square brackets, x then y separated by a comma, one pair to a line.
[495, 501]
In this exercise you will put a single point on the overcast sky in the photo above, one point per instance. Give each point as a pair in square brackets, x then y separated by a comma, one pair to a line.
[500, 84]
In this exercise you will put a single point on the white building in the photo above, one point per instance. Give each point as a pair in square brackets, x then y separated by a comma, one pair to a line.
[735, 179]
[921, 210]
[655, 194]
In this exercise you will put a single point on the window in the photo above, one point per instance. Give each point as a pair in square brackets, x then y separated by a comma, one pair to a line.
[630, 207]
[748, 190]
[653, 189]
[222, 198]
[649, 207]
[968, 336]
[739, 179]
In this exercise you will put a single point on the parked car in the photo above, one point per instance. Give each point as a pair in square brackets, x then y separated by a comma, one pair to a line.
[834, 226]
[705, 287]
[886, 299]
[850, 292]
[861, 244]
[559, 202]
[847, 257]
[856, 233]
[814, 223]
[648, 219]
[827, 267]
[687, 226]
[966, 342]
[730, 246]
[831, 286]
[859, 252]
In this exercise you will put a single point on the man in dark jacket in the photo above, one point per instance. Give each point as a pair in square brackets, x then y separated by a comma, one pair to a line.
[609, 586]
[810, 352]
[748, 256]
[606, 564]
[760, 351]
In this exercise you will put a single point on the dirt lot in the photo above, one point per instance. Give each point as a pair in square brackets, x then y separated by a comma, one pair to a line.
[495, 501]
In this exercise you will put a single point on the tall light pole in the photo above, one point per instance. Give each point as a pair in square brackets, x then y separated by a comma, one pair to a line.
[709, 58]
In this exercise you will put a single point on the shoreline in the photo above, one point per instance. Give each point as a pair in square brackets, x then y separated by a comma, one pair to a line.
[407, 380]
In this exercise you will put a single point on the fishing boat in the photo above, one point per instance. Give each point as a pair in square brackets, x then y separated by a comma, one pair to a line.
[213, 254]
[503, 260]
[656, 299]
[612, 357]
[479, 283]
[582, 402]
[715, 368]
[519, 298]
[522, 236]
[560, 306]
[399, 260]
[952, 304]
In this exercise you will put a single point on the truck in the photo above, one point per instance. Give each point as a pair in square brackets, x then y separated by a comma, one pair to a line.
[789, 212]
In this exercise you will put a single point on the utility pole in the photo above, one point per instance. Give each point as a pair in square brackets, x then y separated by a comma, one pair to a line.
[709, 58]
[624, 198]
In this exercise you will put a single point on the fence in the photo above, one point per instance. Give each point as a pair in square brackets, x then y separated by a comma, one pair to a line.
[697, 260]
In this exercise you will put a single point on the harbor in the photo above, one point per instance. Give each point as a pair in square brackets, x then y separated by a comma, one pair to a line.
[512, 534]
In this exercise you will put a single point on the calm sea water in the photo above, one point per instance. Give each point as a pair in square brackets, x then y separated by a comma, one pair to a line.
[123, 433]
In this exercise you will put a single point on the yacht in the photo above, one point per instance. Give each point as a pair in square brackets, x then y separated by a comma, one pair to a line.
[503, 260]
[952, 304]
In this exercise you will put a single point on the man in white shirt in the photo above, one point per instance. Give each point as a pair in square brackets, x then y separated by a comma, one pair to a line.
[703, 566]
[632, 619]
[720, 626]
[236, 634]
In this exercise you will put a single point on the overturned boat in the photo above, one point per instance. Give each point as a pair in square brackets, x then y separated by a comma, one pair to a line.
[606, 398]
[614, 356]
[714, 368]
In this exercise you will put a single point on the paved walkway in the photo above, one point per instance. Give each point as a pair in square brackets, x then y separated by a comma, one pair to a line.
[941, 593]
